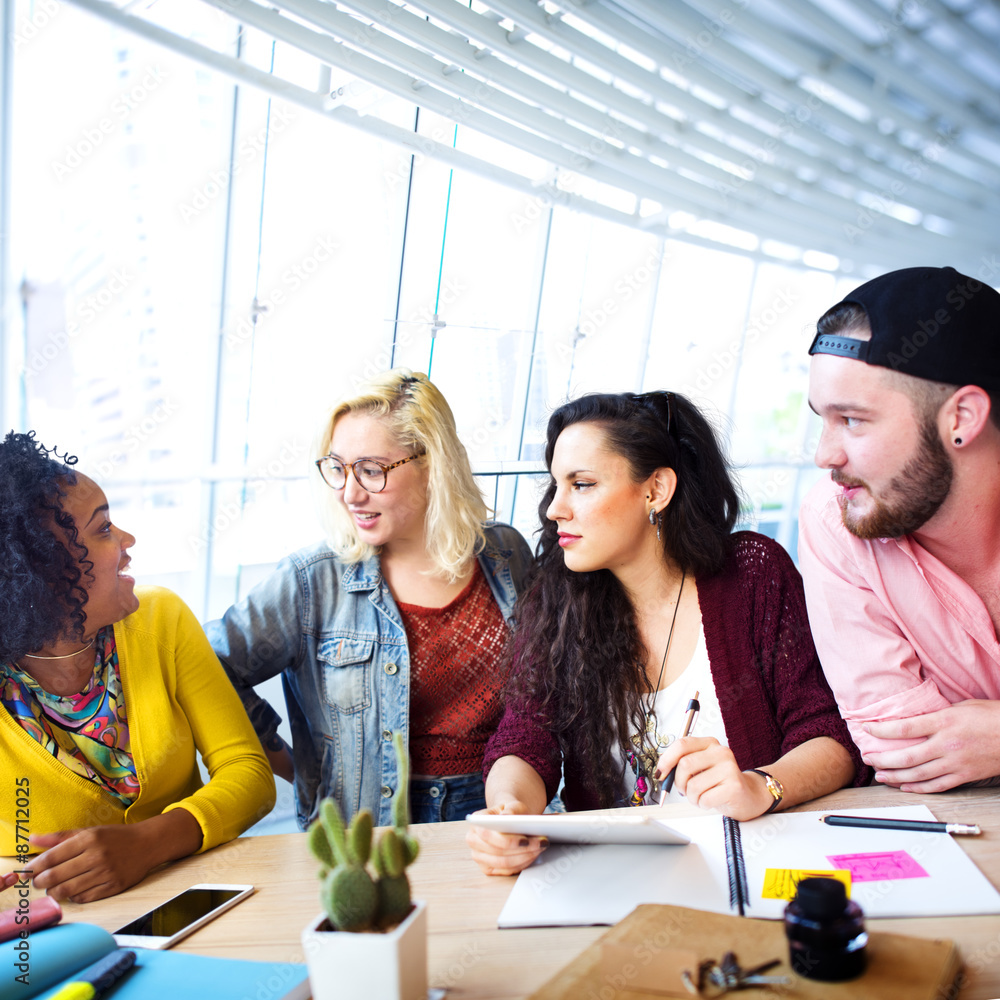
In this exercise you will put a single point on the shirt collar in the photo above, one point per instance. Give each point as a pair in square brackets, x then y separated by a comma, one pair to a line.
[363, 575]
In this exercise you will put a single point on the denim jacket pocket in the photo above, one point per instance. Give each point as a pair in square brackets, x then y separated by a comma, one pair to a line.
[346, 665]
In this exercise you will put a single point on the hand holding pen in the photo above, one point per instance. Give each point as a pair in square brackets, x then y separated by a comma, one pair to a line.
[693, 707]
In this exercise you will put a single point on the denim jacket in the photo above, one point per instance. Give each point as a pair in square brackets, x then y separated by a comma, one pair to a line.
[333, 632]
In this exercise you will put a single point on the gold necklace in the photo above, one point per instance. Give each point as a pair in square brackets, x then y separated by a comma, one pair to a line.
[65, 656]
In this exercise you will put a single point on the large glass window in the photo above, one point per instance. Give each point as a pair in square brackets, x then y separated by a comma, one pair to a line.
[207, 268]
[204, 269]
[112, 138]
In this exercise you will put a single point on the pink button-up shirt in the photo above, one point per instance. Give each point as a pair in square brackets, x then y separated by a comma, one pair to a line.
[898, 633]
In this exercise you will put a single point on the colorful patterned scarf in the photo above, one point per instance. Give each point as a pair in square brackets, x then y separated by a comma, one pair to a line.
[87, 732]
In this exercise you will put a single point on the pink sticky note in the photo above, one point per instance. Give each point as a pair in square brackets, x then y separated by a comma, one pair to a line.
[878, 866]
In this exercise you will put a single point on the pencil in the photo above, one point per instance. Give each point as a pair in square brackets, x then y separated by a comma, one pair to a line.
[916, 825]
[692, 710]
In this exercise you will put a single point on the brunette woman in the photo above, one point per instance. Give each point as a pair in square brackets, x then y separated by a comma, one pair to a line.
[107, 692]
[396, 622]
[641, 597]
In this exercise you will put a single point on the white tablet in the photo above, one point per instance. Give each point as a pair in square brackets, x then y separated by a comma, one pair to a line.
[569, 828]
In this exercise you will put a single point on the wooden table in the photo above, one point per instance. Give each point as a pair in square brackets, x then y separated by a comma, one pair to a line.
[467, 953]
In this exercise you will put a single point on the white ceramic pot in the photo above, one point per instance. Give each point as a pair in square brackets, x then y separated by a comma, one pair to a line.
[389, 966]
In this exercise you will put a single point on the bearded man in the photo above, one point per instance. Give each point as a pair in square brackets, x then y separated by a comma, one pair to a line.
[900, 546]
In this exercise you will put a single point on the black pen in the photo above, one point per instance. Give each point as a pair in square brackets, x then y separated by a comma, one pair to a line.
[916, 825]
[692, 710]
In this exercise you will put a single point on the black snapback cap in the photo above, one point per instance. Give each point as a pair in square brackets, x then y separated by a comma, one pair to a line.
[929, 322]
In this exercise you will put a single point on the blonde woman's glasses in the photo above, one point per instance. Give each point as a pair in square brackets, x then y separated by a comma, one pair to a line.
[369, 474]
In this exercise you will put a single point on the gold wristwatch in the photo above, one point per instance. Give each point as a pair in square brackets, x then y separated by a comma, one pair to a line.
[773, 786]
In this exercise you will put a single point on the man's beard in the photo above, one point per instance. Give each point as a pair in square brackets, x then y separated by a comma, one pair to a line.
[911, 499]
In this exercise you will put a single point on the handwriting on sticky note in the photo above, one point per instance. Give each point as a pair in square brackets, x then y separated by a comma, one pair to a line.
[781, 883]
[878, 866]
[658, 970]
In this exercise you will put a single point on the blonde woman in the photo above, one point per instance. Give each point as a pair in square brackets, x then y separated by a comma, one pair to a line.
[396, 622]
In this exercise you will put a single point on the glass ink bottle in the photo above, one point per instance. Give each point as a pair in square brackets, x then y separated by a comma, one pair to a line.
[826, 931]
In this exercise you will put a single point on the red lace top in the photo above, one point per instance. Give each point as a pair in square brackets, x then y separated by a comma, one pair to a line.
[455, 680]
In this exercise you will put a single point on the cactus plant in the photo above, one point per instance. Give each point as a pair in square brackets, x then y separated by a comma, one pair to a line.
[352, 899]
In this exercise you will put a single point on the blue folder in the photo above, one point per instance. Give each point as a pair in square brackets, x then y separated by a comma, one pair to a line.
[56, 954]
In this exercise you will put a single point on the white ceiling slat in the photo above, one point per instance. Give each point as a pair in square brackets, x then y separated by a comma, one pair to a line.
[810, 62]
[616, 168]
[534, 92]
[886, 177]
[420, 145]
[619, 169]
[971, 39]
[970, 199]
[647, 180]
[700, 117]
[850, 47]
[770, 81]
[444, 94]
[931, 56]
[464, 55]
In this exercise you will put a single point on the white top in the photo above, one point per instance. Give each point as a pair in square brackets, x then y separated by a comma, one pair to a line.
[670, 710]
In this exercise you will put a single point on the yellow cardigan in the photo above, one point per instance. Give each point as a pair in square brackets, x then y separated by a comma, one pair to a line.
[178, 700]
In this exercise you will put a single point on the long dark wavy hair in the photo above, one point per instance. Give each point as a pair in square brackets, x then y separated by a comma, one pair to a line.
[41, 596]
[578, 652]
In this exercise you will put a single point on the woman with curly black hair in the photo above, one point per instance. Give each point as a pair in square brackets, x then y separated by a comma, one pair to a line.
[106, 692]
[642, 598]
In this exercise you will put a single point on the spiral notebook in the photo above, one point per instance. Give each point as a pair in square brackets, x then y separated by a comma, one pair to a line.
[752, 867]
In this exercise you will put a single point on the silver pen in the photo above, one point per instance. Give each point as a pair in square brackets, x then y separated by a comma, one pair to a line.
[692, 710]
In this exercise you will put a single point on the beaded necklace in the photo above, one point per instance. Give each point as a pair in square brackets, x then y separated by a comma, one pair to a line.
[642, 756]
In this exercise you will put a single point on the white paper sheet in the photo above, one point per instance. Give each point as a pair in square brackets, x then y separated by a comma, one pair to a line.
[576, 885]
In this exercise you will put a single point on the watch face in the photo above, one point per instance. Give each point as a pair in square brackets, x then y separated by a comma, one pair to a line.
[773, 786]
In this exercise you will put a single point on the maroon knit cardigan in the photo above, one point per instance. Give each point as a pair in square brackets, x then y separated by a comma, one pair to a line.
[768, 679]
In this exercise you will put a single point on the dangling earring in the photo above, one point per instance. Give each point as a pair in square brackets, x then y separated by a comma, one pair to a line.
[657, 527]
[652, 515]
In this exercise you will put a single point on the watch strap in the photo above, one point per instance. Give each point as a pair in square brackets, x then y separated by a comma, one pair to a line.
[773, 786]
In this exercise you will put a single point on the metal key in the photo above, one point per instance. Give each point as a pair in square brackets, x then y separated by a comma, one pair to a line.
[717, 978]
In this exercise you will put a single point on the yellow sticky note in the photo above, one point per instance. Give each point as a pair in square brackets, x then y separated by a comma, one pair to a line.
[781, 883]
